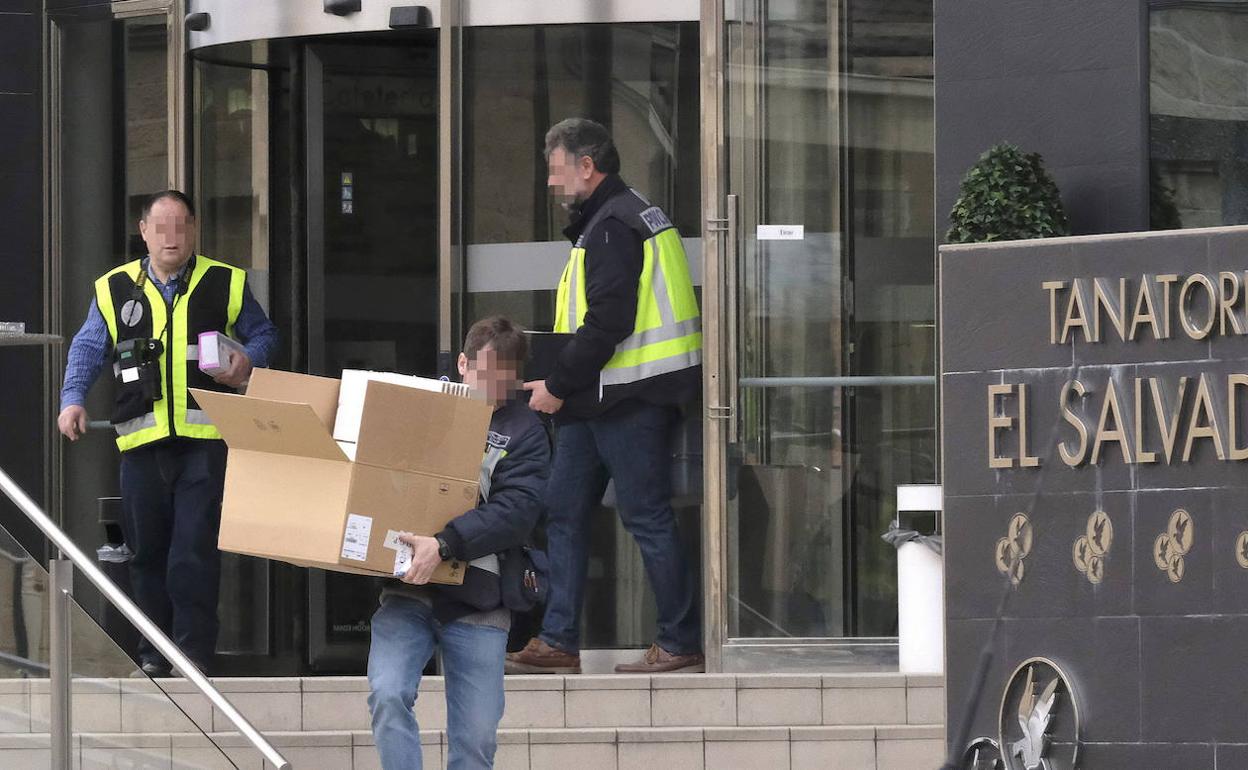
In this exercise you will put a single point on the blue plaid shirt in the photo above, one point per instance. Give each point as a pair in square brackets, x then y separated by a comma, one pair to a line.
[91, 349]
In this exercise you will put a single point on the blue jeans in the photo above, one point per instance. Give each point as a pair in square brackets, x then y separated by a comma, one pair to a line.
[171, 514]
[633, 448]
[404, 635]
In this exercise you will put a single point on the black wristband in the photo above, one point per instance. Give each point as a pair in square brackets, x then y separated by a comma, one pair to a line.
[444, 549]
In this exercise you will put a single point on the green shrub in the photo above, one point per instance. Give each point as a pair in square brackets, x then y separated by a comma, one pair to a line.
[1007, 195]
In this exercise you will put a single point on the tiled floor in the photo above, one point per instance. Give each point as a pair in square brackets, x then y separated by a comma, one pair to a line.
[764, 748]
[775, 721]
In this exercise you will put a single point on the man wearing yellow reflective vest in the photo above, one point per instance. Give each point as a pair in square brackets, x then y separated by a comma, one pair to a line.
[616, 392]
[148, 314]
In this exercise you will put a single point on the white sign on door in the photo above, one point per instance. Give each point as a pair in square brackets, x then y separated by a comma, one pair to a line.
[781, 232]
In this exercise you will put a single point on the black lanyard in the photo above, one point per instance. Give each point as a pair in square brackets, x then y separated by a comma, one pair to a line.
[183, 280]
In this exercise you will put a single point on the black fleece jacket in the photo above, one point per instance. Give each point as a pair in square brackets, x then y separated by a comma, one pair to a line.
[513, 477]
[514, 473]
[613, 262]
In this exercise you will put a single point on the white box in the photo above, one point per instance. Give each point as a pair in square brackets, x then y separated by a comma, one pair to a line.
[216, 350]
[351, 397]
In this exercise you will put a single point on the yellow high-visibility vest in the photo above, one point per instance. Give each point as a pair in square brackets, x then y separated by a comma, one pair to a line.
[211, 301]
[667, 335]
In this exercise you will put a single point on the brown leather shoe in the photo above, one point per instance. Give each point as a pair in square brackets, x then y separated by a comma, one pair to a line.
[659, 661]
[537, 657]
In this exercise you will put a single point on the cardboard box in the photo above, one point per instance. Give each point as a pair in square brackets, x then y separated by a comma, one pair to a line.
[353, 386]
[216, 350]
[292, 494]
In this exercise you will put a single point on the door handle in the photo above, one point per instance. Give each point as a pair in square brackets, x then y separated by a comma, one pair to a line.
[726, 408]
[729, 310]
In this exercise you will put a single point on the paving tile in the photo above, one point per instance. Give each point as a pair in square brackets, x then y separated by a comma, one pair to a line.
[126, 750]
[693, 682]
[256, 684]
[269, 710]
[925, 705]
[338, 710]
[696, 708]
[779, 707]
[520, 682]
[542, 736]
[512, 757]
[748, 755]
[145, 709]
[607, 682]
[746, 734]
[659, 735]
[336, 684]
[868, 680]
[857, 706]
[534, 708]
[599, 756]
[773, 681]
[908, 755]
[669, 756]
[833, 755]
[607, 708]
[14, 712]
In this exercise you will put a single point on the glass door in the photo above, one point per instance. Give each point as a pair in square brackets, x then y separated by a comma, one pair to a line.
[821, 360]
[372, 140]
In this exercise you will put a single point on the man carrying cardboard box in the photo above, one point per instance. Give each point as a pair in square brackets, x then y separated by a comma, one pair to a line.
[148, 315]
[469, 621]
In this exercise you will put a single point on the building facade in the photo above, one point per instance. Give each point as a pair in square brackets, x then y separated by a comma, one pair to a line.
[378, 172]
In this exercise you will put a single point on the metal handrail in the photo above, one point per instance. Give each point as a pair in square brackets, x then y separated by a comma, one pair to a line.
[849, 381]
[118, 599]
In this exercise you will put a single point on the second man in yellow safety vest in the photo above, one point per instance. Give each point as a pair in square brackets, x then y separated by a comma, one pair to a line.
[635, 357]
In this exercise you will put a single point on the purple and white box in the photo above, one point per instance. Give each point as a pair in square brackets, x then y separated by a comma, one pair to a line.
[215, 352]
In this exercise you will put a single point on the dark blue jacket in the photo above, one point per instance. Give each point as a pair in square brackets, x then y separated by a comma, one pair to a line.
[513, 481]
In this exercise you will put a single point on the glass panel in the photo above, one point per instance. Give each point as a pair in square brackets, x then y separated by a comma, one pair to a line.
[232, 114]
[1198, 100]
[641, 81]
[380, 206]
[813, 475]
[119, 717]
[146, 68]
[233, 196]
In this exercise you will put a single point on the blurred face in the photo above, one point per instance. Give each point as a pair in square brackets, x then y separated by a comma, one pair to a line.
[570, 179]
[490, 376]
[169, 232]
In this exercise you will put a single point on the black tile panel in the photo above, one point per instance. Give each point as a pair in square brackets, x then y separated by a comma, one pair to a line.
[1194, 669]
[21, 147]
[20, 42]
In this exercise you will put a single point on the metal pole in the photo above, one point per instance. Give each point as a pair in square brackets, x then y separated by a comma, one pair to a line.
[61, 733]
[164, 645]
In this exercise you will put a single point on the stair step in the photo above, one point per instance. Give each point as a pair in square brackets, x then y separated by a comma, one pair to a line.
[885, 747]
[312, 704]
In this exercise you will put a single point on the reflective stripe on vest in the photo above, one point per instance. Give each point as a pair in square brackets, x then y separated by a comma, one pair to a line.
[188, 421]
[667, 333]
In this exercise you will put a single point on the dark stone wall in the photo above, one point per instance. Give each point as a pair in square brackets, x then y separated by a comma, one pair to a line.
[23, 416]
[1157, 664]
[1066, 79]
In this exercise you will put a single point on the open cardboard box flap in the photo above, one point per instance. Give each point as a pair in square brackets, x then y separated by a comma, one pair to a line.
[261, 425]
[321, 393]
[397, 417]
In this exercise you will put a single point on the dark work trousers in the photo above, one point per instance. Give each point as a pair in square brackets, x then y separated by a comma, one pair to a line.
[633, 448]
[171, 501]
